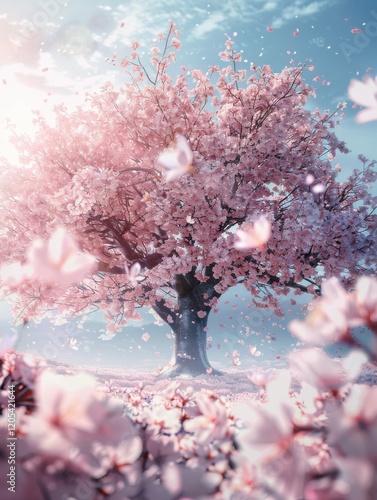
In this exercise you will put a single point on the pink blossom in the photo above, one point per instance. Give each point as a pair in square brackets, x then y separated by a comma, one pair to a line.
[324, 373]
[73, 344]
[71, 413]
[244, 479]
[23, 366]
[59, 261]
[366, 299]
[254, 351]
[309, 179]
[353, 480]
[133, 273]
[178, 159]
[330, 318]
[269, 432]
[254, 236]
[211, 424]
[318, 188]
[364, 94]
[124, 453]
[261, 378]
[316, 368]
[354, 429]
[161, 419]
[163, 448]
[176, 43]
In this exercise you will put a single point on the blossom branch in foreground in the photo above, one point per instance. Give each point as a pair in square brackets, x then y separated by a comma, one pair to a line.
[335, 314]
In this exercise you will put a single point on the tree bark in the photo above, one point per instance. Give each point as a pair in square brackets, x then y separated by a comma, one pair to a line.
[190, 347]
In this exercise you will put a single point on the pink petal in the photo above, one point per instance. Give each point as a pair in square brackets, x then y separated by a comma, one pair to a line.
[366, 115]
[60, 246]
[184, 149]
[78, 264]
[363, 93]
[177, 160]
[255, 236]
[318, 188]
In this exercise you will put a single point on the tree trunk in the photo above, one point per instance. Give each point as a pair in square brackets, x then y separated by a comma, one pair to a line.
[190, 347]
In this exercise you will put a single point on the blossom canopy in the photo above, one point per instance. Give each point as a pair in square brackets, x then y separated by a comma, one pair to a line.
[248, 144]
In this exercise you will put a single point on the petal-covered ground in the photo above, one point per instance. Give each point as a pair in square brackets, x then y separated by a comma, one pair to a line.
[234, 384]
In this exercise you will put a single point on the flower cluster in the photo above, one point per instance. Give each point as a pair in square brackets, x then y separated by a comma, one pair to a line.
[308, 432]
[333, 316]
[76, 440]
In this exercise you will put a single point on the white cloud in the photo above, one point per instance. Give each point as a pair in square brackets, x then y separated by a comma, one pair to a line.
[300, 9]
[269, 6]
[214, 22]
[132, 26]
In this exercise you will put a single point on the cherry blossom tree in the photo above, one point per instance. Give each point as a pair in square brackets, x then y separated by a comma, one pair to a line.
[158, 180]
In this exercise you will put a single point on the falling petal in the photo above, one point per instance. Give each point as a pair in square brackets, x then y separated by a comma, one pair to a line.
[309, 179]
[318, 188]
[254, 236]
[177, 160]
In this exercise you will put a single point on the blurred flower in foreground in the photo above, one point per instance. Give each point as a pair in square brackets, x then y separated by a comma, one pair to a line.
[56, 262]
[254, 236]
[324, 373]
[211, 424]
[177, 160]
[59, 260]
[366, 300]
[332, 315]
[71, 413]
[133, 273]
[364, 94]
[354, 430]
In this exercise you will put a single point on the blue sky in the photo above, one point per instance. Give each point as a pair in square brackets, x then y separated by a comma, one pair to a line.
[56, 50]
